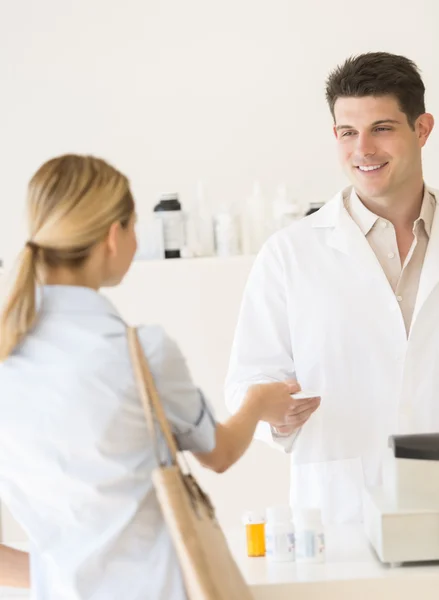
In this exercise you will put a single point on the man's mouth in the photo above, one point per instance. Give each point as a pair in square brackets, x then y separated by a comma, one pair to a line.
[368, 168]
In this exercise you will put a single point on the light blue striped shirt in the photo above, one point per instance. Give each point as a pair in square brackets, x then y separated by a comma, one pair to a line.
[75, 455]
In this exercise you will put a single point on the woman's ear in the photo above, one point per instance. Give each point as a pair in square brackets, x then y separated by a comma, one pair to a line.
[113, 238]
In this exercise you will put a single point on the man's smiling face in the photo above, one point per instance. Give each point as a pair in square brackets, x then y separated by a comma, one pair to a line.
[378, 148]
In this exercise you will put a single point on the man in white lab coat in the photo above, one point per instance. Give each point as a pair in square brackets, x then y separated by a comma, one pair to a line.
[347, 299]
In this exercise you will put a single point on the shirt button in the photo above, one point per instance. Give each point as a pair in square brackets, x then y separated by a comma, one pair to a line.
[383, 224]
[399, 298]
[391, 255]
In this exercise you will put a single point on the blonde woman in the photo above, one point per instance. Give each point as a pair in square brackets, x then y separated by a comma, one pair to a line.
[75, 455]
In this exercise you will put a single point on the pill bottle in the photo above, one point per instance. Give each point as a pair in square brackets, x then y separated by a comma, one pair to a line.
[169, 211]
[255, 533]
[310, 536]
[279, 534]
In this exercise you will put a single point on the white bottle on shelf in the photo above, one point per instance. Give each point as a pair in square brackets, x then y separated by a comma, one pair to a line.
[150, 240]
[256, 221]
[203, 243]
[286, 210]
[227, 233]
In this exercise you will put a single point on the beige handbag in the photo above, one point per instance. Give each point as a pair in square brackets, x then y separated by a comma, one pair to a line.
[209, 570]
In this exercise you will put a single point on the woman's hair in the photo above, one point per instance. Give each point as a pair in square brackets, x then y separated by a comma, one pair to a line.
[72, 203]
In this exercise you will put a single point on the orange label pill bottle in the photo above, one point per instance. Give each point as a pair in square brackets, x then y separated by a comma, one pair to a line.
[255, 533]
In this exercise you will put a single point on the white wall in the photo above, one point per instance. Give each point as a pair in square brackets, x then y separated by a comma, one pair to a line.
[174, 90]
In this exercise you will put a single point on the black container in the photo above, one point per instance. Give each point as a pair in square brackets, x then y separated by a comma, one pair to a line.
[173, 224]
[314, 207]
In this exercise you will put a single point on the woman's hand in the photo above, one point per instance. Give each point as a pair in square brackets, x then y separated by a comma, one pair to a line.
[14, 568]
[271, 402]
[280, 409]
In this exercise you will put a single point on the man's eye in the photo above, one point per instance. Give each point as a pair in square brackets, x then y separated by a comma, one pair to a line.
[383, 129]
[347, 133]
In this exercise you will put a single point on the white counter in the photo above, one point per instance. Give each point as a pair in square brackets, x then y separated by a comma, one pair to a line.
[351, 572]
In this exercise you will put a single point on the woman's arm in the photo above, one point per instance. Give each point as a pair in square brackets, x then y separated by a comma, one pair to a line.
[269, 402]
[14, 568]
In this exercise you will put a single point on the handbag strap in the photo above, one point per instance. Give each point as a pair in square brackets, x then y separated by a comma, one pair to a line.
[152, 406]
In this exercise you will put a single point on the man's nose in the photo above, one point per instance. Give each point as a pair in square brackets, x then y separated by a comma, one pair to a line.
[365, 145]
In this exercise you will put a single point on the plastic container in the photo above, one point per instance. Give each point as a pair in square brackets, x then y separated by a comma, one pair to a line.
[286, 210]
[227, 234]
[150, 240]
[256, 221]
[255, 533]
[169, 211]
[310, 536]
[204, 243]
[279, 534]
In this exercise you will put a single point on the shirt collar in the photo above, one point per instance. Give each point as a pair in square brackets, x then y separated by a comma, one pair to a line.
[427, 211]
[73, 299]
[366, 219]
[363, 217]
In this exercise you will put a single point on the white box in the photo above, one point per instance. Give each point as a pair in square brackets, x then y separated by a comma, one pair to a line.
[400, 535]
[411, 483]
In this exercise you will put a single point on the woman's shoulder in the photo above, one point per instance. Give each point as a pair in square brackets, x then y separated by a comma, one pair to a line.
[156, 342]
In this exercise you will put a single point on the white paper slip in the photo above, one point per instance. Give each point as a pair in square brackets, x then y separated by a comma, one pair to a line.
[303, 395]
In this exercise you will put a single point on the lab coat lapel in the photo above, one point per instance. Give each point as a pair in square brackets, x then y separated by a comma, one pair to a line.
[430, 271]
[344, 235]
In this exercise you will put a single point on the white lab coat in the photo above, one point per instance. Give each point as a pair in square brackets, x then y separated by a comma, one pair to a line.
[318, 306]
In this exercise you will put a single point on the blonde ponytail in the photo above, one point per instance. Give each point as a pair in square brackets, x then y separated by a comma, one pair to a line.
[72, 202]
[19, 312]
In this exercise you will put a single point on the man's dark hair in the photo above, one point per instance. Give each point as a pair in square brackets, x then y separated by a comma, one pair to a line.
[379, 74]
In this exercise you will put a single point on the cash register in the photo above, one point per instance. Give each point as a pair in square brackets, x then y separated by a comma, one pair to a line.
[401, 517]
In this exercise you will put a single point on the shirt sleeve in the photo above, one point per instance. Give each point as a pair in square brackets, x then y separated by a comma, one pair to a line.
[262, 350]
[189, 413]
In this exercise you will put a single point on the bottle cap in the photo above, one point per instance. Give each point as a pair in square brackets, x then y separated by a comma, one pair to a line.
[168, 202]
[171, 196]
[308, 516]
[253, 517]
[278, 514]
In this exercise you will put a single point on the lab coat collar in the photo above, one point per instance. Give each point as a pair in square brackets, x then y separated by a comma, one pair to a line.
[331, 214]
[334, 217]
[344, 236]
[73, 299]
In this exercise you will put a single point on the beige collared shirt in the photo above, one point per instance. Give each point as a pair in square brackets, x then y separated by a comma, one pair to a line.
[381, 235]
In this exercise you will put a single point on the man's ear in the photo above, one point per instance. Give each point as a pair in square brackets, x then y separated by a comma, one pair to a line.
[423, 127]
